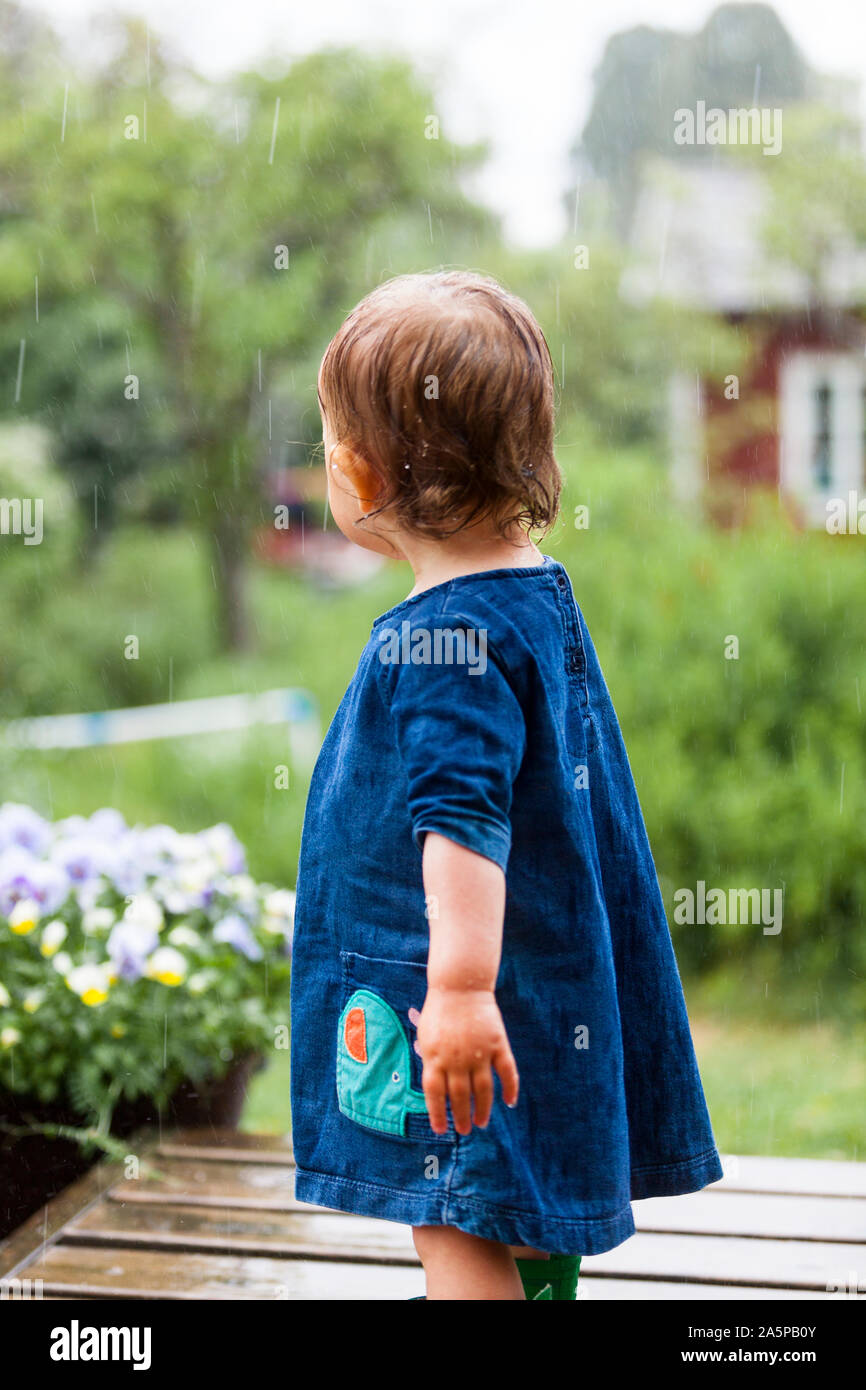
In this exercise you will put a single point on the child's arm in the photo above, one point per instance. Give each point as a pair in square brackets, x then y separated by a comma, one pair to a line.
[461, 1035]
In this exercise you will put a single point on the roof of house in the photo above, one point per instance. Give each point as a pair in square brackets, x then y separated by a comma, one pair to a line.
[696, 239]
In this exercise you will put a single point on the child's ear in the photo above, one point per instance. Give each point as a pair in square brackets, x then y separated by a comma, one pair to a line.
[360, 473]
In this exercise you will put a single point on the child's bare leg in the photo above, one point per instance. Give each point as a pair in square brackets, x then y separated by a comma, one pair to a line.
[528, 1252]
[465, 1267]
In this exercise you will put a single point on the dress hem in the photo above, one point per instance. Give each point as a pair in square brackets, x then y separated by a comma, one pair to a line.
[676, 1179]
[556, 1235]
[592, 1236]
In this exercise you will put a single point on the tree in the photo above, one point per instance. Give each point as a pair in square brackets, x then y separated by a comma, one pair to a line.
[189, 238]
[816, 208]
[742, 55]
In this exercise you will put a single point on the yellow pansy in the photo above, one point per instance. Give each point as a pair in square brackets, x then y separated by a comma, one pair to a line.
[118, 1030]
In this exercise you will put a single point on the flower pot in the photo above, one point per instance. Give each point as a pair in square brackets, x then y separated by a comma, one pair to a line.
[35, 1167]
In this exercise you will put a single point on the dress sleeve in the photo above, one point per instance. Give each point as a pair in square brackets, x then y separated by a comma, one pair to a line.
[459, 729]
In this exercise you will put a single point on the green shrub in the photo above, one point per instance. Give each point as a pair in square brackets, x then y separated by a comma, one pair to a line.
[750, 771]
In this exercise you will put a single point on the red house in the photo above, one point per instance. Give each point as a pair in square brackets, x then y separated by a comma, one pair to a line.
[793, 420]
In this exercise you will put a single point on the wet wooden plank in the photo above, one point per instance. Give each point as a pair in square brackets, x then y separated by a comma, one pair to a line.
[220, 1222]
[45, 1225]
[265, 1186]
[759, 1215]
[793, 1264]
[808, 1177]
[73, 1271]
[221, 1144]
[306, 1233]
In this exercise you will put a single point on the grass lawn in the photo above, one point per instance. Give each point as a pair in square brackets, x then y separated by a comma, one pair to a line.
[789, 1090]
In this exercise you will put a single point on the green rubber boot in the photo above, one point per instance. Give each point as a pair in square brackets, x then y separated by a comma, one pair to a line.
[555, 1278]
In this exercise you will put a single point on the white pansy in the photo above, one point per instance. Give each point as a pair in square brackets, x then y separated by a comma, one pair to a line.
[279, 912]
[91, 983]
[222, 843]
[167, 966]
[62, 962]
[242, 888]
[185, 936]
[195, 876]
[96, 920]
[280, 903]
[24, 916]
[88, 893]
[145, 911]
[189, 886]
[53, 937]
[5, 997]
[32, 1000]
[9, 1037]
[201, 980]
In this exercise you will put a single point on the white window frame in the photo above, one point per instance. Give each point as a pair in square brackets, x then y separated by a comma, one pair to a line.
[685, 405]
[800, 374]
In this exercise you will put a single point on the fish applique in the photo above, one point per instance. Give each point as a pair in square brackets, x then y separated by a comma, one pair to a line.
[374, 1073]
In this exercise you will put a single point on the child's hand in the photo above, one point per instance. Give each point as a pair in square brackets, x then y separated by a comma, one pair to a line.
[461, 1038]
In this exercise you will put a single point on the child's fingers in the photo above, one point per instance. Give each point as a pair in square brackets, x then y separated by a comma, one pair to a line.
[506, 1070]
[460, 1096]
[482, 1094]
[435, 1093]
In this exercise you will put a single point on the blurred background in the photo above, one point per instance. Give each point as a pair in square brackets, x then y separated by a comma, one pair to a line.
[190, 203]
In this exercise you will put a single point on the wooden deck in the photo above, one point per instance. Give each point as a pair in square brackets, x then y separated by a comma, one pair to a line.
[220, 1222]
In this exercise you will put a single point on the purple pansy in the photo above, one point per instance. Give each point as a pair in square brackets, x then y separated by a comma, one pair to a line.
[22, 876]
[23, 827]
[236, 932]
[108, 824]
[129, 945]
[83, 857]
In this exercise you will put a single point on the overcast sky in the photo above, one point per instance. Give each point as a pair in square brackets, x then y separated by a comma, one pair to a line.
[517, 72]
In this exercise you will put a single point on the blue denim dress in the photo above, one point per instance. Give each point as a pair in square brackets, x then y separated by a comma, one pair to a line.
[479, 711]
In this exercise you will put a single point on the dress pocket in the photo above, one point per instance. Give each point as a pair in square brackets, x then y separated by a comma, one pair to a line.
[378, 1071]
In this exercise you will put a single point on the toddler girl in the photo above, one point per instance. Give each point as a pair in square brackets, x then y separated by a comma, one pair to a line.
[489, 1038]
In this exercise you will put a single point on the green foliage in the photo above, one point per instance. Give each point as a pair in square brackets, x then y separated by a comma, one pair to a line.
[612, 359]
[816, 203]
[751, 771]
[66, 652]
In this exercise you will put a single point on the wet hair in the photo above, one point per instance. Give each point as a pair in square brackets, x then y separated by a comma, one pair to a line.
[443, 383]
